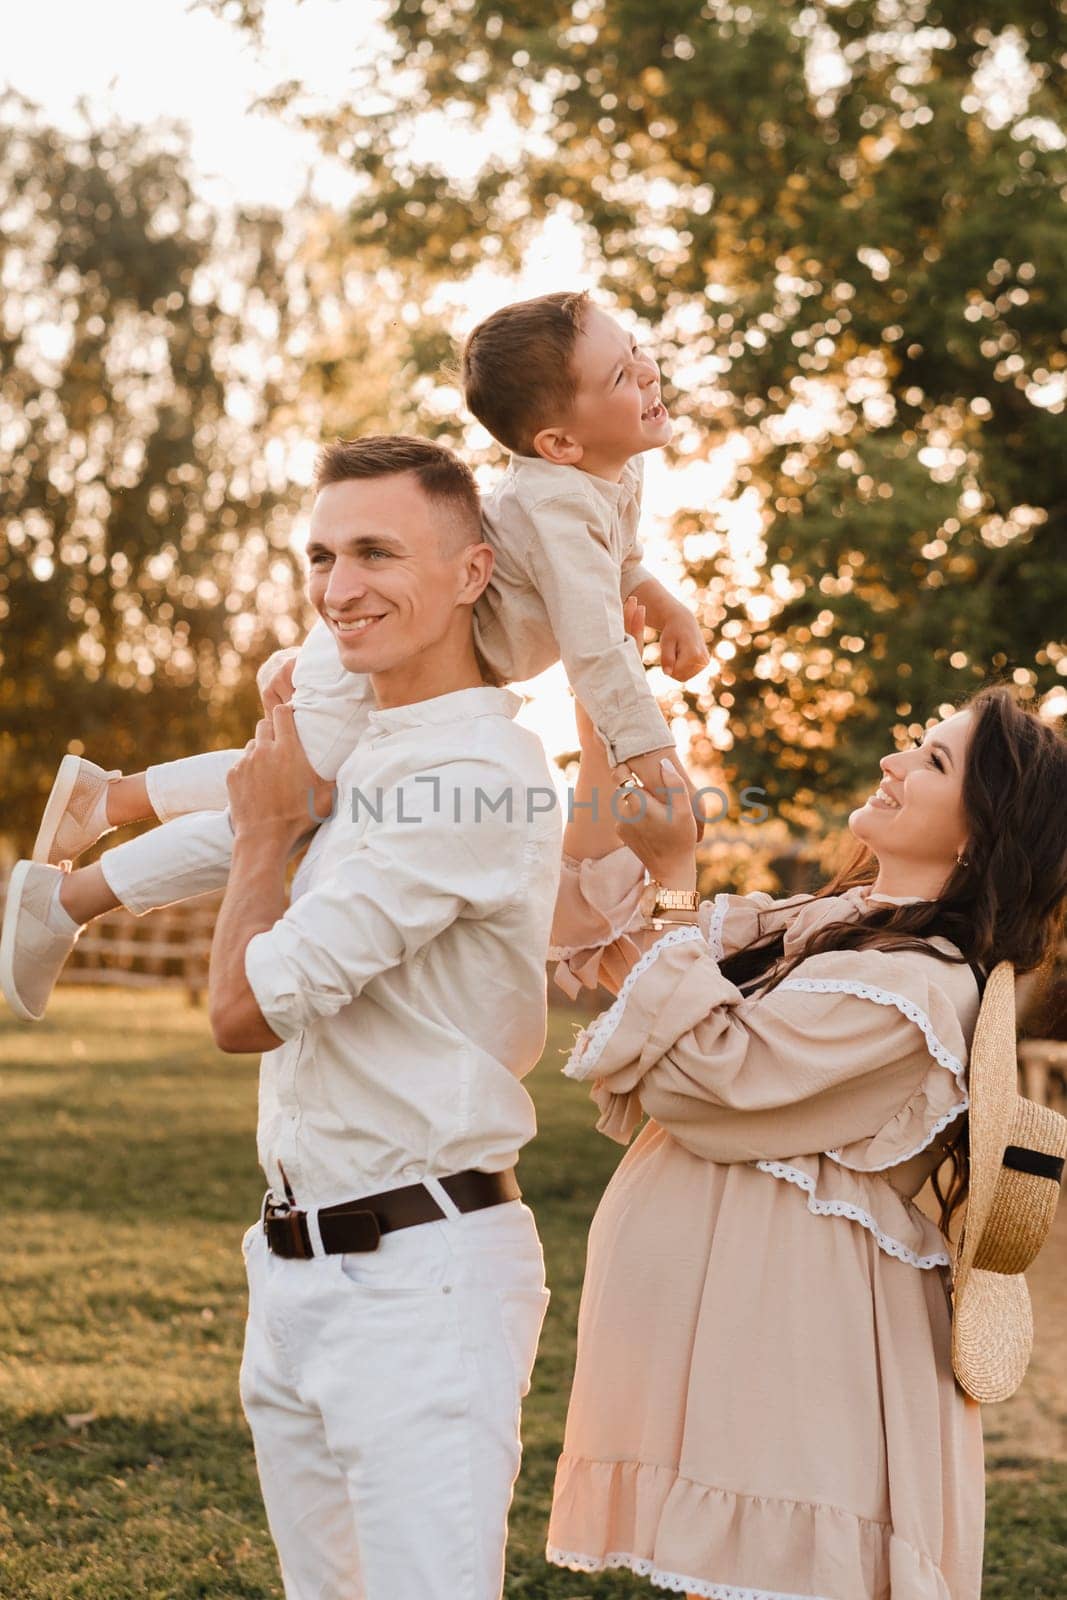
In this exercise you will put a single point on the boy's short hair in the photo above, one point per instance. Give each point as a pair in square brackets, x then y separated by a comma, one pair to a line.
[442, 476]
[517, 370]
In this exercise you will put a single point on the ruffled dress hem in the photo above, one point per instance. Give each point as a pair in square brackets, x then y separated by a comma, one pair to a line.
[691, 1538]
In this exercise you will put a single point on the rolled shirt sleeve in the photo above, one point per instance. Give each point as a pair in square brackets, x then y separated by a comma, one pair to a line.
[398, 887]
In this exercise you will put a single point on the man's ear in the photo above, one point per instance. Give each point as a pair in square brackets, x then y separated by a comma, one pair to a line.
[477, 568]
[557, 446]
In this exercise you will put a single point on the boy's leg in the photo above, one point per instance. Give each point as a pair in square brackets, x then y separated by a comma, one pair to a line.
[177, 861]
[86, 802]
[331, 706]
[46, 908]
[192, 783]
[190, 855]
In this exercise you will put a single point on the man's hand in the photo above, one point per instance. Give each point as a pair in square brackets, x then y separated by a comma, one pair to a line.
[682, 651]
[274, 788]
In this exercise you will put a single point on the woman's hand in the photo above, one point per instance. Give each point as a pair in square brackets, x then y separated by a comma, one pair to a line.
[661, 833]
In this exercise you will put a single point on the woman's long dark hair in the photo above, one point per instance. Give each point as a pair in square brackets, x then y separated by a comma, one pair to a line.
[1006, 902]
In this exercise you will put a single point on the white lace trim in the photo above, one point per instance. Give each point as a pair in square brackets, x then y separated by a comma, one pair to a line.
[720, 907]
[589, 1046]
[941, 1054]
[673, 1581]
[842, 1208]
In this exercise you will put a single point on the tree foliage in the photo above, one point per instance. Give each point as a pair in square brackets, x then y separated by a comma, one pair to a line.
[145, 526]
[844, 223]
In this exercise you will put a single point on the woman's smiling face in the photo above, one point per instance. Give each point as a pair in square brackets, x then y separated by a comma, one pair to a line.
[915, 822]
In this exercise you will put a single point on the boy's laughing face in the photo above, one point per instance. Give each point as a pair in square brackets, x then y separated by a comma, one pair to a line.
[617, 411]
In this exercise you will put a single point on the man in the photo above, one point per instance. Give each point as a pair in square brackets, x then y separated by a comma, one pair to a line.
[396, 1289]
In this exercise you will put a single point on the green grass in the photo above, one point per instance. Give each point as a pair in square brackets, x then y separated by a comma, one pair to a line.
[127, 1150]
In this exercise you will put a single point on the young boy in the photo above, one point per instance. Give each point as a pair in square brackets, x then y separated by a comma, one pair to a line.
[561, 385]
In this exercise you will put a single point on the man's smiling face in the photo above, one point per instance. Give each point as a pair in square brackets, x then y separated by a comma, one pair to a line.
[386, 571]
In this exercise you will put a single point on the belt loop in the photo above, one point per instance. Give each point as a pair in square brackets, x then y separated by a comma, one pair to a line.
[443, 1198]
[311, 1217]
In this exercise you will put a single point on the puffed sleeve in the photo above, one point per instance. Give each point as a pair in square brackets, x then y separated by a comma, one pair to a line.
[860, 1054]
[596, 920]
[598, 931]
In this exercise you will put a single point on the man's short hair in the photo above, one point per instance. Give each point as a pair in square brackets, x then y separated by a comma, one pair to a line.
[442, 476]
[517, 367]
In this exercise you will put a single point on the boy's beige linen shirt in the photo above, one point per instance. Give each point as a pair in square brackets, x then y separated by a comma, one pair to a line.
[407, 980]
[567, 555]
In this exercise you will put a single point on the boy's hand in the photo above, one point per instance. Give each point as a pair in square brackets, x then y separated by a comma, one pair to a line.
[274, 789]
[682, 651]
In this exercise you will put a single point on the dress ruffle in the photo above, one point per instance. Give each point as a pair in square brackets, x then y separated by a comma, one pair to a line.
[708, 1530]
[942, 1096]
[898, 1227]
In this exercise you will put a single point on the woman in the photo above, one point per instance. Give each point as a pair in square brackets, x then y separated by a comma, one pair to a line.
[764, 1405]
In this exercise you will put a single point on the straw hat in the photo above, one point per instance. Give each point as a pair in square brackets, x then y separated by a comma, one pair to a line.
[1017, 1151]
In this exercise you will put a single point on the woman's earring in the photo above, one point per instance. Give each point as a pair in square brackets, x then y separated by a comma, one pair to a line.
[961, 861]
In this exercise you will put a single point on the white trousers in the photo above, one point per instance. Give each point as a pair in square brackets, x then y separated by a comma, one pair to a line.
[190, 853]
[383, 1391]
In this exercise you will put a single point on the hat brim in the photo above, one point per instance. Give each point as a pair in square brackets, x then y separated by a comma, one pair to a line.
[993, 1090]
[992, 1334]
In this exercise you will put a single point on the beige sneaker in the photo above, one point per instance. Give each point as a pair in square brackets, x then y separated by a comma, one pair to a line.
[31, 954]
[68, 827]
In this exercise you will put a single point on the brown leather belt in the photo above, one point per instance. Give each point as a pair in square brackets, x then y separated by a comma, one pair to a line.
[358, 1225]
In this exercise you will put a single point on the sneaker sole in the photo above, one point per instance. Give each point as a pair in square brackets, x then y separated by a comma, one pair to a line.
[12, 907]
[55, 809]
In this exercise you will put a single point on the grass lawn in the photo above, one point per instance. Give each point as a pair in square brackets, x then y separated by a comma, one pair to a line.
[126, 1473]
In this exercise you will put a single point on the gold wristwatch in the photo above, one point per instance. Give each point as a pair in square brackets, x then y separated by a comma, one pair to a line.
[668, 907]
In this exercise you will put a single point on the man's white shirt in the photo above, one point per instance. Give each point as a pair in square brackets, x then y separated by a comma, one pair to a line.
[407, 977]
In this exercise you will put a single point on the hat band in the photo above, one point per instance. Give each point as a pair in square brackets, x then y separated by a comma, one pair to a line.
[1035, 1162]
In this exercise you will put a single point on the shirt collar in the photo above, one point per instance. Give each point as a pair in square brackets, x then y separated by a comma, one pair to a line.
[538, 472]
[459, 706]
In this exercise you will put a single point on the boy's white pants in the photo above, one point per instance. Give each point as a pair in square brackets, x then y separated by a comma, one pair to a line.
[190, 854]
[383, 1392]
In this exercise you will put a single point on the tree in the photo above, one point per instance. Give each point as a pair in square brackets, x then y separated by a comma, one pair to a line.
[144, 355]
[845, 224]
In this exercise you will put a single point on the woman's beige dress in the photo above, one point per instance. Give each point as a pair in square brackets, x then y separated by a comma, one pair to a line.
[763, 1404]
